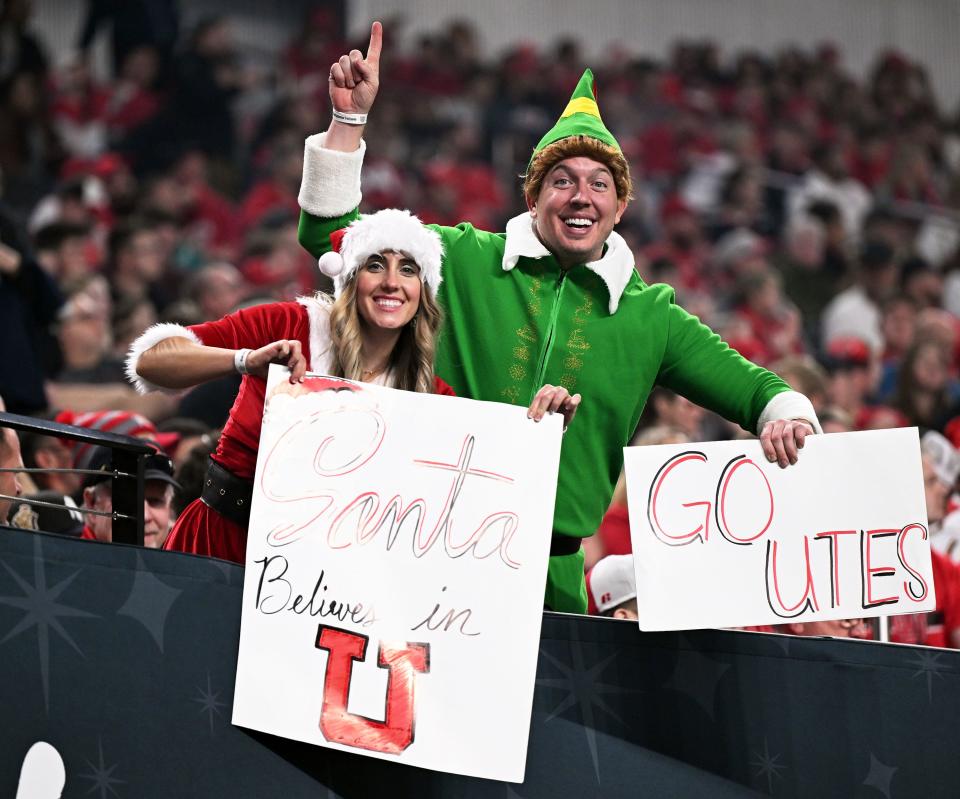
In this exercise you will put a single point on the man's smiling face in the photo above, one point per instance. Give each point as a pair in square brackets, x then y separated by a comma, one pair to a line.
[576, 210]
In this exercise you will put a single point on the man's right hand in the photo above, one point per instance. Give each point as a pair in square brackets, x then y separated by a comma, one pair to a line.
[354, 80]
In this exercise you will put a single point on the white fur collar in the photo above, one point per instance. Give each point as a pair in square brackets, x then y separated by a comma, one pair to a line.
[615, 267]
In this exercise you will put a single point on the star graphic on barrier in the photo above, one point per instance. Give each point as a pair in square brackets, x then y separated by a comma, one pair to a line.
[41, 610]
[584, 689]
[880, 775]
[928, 665]
[209, 701]
[767, 765]
[102, 776]
[225, 568]
[149, 602]
[697, 676]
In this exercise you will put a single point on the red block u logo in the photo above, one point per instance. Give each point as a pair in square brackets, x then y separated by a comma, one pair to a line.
[404, 661]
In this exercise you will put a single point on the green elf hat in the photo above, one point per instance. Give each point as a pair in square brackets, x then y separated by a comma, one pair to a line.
[581, 117]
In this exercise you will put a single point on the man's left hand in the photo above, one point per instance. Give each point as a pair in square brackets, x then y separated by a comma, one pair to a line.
[783, 438]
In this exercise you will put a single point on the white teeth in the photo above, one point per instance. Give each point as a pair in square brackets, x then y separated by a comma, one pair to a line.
[383, 303]
[577, 222]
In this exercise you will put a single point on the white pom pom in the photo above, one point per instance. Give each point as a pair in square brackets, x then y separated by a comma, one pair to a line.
[331, 263]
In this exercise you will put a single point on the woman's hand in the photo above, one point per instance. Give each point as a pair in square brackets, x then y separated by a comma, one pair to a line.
[550, 399]
[782, 438]
[286, 352]
[354, 80]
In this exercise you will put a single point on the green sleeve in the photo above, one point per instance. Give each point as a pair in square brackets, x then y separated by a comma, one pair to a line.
[698, 364]
[314, 231]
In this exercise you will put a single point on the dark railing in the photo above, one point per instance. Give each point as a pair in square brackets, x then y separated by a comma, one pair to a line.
[127, 475]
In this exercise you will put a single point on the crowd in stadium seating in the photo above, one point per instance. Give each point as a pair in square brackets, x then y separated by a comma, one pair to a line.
[806, 214]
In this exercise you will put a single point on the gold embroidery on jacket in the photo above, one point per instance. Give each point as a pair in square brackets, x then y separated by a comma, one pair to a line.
[576, 343]
[522, 354]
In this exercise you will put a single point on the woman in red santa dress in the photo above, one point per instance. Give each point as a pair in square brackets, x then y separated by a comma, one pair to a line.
[381, 328]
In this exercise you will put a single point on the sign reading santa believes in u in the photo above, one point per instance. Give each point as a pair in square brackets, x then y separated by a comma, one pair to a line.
[722, 538]
[396, 559]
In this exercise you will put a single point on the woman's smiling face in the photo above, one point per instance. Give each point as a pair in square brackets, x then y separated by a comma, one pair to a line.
[388, 290]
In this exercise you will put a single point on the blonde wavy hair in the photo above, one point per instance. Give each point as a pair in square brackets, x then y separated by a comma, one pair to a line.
[412, 358]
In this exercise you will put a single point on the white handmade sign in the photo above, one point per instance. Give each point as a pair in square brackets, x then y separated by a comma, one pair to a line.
[396, 559]
[722, 538]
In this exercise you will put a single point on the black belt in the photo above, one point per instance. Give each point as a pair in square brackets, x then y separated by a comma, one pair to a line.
[227, 494]
[564, 545]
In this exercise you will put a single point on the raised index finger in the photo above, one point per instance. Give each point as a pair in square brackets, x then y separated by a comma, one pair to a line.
[376, 42]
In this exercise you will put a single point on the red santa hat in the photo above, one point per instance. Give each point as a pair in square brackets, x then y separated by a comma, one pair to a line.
[390, 229]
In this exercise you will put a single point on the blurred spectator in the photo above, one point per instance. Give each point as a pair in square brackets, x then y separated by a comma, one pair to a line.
[136, 266]
[9, 481]
[921, 283]
[85, 336]
[48, 452]
[29, 302]
[158, 489]
[925, 393]
[682, 244]
[78, 109]
[852, 371]
[29, 148]
[180, 435]
[773, 322]
[829, 180]
[132, 23]
[612, 588]
[217, 289]
[941, 626]
[209, 77]
[664, 408]
[835, 420]
[278, 191]
[856, 311]
[131, 316]
[63, 250]
[20, 50]
[805, 375]
[122, 423]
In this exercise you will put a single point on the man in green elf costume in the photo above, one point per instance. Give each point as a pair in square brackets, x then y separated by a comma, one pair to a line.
[556, 300]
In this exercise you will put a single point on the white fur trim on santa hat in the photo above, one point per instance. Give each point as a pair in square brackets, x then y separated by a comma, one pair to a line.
[331, 179]
[151, 336]
[391, 229]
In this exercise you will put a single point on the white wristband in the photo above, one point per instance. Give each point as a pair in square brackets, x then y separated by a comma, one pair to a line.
[240, 360]
[349, 119]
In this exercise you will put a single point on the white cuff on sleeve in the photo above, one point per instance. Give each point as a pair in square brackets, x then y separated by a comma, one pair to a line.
[153, 335]
[331, 179]
[789, 405]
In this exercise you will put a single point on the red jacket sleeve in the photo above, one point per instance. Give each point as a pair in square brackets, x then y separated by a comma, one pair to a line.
[251, 327]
